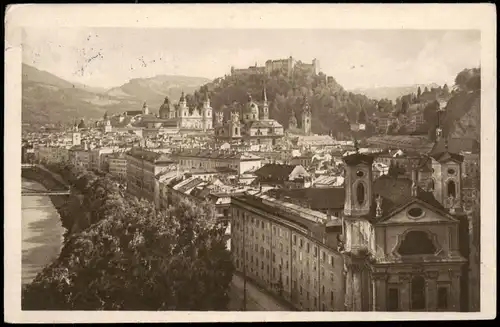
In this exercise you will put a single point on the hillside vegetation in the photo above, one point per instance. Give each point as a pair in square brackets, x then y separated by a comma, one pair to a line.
[391, 93]
[333, 107]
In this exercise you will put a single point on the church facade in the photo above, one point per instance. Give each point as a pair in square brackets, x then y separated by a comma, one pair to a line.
[250, 125]
[171, 118]
[395, 247]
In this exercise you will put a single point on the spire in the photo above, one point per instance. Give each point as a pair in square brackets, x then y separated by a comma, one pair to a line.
[183, 97]
[249, 96]
[264, 95]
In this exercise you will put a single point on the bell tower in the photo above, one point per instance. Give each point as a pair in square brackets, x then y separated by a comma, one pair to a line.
[234, 125]
[358, 231]
[265, 106]
[447, 179]
[219, 117]
[306, 117]
[358, 185]
[145, 109]
[207, 114]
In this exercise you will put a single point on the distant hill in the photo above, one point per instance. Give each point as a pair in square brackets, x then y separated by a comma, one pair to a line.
[153, 90]
[392, 93]
[47, 98]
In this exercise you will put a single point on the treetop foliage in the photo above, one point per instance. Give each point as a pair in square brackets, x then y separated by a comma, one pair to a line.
[124, 254]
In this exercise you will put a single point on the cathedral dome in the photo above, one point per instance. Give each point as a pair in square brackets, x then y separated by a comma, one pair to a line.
[252, 106]
[165, 108]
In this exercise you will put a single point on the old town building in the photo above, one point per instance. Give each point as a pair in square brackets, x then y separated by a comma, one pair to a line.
[282, 175]
[208, 159]
[142, 168]
[117, 164]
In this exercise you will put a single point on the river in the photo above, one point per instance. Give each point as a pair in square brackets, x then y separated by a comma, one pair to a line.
[42, 232]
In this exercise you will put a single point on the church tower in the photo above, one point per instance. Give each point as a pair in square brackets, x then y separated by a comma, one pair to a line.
[219, 118]
[145, 109]
[76, 138]
[358, 231]
[306, 117]
[264, 114]
[447, 178]
[234, 124]
[206, 114]
[183, 110]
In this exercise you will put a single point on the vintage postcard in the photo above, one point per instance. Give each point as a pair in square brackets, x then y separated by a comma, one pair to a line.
[244, 162]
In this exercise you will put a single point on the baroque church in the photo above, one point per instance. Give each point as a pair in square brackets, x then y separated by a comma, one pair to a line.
[171, 118]
[394, 246]
[249, 124]
[405, 248]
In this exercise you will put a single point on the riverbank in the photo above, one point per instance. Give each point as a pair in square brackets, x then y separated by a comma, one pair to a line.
[42, 232]
[48, 181]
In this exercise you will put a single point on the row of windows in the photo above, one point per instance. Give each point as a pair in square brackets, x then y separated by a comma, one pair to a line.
[302, 286]
[276, 230]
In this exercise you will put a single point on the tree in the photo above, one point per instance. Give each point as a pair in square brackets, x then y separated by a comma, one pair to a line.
[405, 105]
[392, 172]
[81, 124]
[134, 257]
[446, 90]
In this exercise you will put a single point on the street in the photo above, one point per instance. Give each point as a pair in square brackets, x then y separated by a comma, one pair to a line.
[256, 299]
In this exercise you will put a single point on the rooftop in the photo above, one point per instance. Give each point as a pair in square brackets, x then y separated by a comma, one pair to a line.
[214, 154]
[313, 198]
[305, 217]
[150, 156]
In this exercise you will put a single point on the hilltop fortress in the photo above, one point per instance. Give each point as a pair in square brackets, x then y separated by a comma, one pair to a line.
[288, 66]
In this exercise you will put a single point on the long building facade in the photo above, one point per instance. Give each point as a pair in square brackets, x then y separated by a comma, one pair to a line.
[142, 168]
[286, 256]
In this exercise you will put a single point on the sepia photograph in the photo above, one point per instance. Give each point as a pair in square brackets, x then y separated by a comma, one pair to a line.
[267, 168]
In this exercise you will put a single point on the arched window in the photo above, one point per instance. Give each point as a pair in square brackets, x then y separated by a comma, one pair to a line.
[451, 187]
[416, 242]
[417, 293]
[236, 130]
[430, 186]
[360, 193]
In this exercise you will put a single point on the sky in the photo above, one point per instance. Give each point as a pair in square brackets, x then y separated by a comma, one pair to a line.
[109, 57]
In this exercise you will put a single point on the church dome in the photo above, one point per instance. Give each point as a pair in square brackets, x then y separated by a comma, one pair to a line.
[165, 107]
[252, 106]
